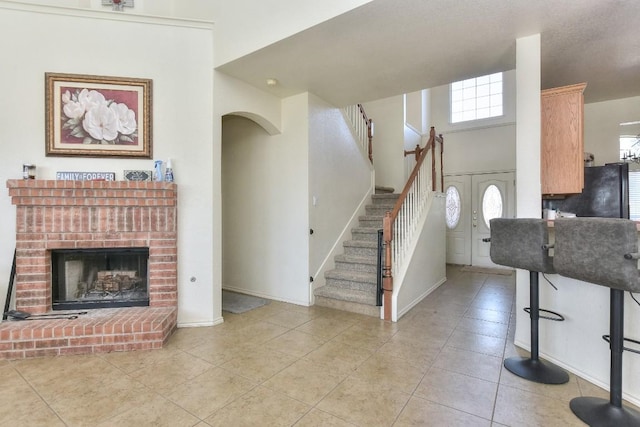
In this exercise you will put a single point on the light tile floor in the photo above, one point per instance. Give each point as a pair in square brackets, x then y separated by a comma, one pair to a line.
[283, 365]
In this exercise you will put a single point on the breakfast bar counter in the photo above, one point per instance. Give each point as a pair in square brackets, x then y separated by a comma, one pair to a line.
[576, 344]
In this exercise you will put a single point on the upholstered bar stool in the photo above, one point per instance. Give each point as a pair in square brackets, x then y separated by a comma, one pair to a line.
[523, 243]
[603, 251]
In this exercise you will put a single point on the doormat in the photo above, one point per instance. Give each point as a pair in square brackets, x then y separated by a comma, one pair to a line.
[487, 270]
[240, 303]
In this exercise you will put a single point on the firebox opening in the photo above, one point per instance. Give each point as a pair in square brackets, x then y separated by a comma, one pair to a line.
[99, 278]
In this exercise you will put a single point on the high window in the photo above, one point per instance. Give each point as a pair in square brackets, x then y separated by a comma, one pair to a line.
[634, 195]
[630, 152]
[477, 98]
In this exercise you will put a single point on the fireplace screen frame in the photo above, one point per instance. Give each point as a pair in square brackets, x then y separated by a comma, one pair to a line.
[59, 257]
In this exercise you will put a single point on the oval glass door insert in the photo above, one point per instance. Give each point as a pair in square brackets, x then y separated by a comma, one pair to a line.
[491, 204]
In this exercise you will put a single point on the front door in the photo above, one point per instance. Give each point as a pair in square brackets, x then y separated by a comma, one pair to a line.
[482, 197]
[458, 218]
[492, 196]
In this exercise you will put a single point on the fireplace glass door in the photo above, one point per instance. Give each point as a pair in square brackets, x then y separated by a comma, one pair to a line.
[99, 278]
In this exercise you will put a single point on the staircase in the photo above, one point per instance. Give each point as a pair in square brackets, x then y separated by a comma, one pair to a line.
[351, 286]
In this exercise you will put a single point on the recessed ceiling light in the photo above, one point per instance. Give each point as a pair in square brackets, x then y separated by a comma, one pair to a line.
[272, 82]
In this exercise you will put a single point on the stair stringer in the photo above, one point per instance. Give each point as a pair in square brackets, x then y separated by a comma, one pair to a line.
[329, 261]
[425, 269]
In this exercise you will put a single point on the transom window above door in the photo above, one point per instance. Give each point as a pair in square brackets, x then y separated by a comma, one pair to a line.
[477, 98]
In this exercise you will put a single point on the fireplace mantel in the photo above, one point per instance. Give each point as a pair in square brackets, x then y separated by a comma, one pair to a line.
[58, 214]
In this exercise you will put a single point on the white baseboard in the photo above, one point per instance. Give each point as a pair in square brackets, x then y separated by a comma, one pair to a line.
[214, 322]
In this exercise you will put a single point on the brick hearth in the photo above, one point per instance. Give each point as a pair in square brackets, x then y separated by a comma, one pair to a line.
[91, 214]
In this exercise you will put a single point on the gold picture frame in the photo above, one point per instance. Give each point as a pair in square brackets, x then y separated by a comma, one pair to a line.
[97, 116]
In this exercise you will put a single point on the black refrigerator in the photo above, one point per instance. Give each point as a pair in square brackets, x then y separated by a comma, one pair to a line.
[605, 193]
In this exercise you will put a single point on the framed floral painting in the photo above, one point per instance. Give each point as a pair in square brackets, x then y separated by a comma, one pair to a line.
[97, 116]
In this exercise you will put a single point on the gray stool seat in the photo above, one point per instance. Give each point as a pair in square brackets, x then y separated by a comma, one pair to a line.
[518, 243]
[522, 243]
[593, 250]
[603, 251]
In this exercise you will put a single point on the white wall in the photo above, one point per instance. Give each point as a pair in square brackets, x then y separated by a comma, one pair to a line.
[413, 114]
[339, 179]
[416, 130]
[427, 268]
[244, 26]
[388, 141]
[233, 96]
[490, 149]
[265, 200]
[417, 111]
[488, 145]
[602, 126]
[411, 139]
[241, 26]
[160, 49]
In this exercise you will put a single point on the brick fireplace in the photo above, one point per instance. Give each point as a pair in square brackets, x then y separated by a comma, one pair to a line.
[62, 215]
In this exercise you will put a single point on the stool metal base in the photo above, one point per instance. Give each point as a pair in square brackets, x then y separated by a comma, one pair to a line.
[535, 370]
[601, 413]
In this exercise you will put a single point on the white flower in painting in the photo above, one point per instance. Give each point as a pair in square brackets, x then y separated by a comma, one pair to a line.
[101, 123]
[125, 117]
[93, 119]
[71, 109]
[91, 99]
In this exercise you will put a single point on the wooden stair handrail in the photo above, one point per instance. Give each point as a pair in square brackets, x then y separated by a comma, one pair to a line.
[429, 146]
[369, 131]
[390, 216]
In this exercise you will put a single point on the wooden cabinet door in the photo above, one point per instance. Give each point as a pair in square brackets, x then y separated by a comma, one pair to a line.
[562, 146]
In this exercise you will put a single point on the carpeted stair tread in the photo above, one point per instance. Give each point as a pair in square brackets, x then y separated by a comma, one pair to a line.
[365, 233]
[379, 210]
[361, 244]
[361, 247]
[351, 295]
[352, 276]
[357, 262]
[385, 197]
[351, 279]
[370, 217]
[380, 189]
[351, 286]
[356, 259]
[386, 206]
[371, 222]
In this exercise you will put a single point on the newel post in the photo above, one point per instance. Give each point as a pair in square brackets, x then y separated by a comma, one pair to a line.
[387, 278]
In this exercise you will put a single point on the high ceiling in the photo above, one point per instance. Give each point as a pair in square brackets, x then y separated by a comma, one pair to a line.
[390, 47]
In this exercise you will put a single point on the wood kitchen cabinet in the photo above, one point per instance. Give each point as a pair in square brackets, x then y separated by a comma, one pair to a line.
[562, 140]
